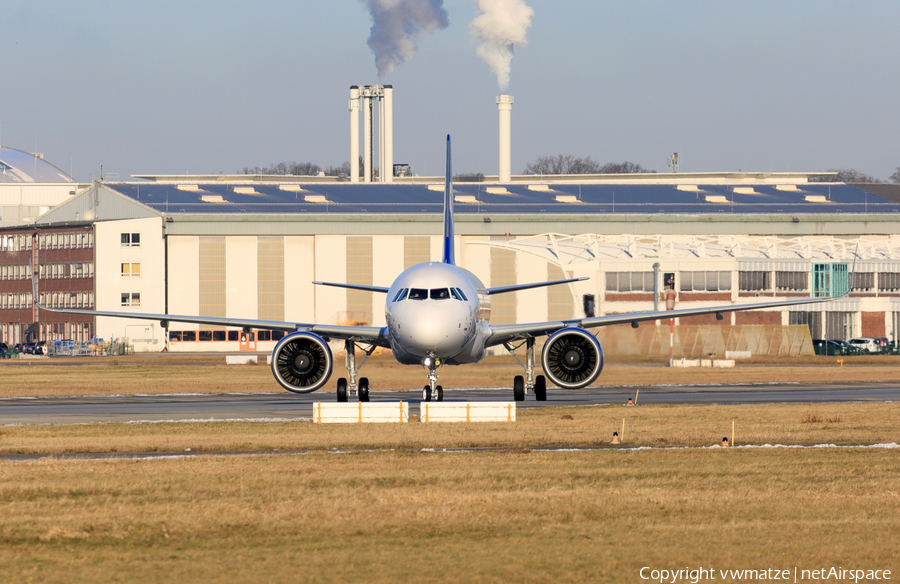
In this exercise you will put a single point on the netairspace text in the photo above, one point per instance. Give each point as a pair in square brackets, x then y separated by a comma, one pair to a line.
[695, 575]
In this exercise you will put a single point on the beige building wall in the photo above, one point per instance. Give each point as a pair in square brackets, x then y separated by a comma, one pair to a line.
[331, 266]
[387, 264]
[184, 283]
[299, 273]
[241, 290]
[111, 283]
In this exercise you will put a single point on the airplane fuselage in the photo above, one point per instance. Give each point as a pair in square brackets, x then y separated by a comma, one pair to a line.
[437, 310]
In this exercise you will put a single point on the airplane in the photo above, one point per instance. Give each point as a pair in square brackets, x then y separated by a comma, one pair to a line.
[438, 314]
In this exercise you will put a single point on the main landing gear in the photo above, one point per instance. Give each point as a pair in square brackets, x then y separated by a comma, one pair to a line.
[432, 391]
[354, 388]
[522, 385]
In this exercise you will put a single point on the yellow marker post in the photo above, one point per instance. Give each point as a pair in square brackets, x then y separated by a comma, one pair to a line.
[401, 411]
[426, 413]
[319, 407]
[636, 396]
[841, 361]
[360, 412]
[622, 435]
[509, 412]
[468, 413]
[732, 433]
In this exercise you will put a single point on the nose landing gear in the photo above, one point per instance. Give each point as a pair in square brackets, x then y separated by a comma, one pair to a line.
[529, 383]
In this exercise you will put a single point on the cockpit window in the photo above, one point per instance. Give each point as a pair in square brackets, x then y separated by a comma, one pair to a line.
[418, 294]
[455, 293]
[401, 294]
[461, 295]
[440, 294]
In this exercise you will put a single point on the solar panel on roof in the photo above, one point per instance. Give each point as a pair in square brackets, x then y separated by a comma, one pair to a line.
[568, 199]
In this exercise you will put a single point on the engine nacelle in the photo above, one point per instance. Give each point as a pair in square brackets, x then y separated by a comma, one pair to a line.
[302, 362]
[572, 358]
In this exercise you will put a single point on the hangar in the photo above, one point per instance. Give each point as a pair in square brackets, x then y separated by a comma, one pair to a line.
[250, 246]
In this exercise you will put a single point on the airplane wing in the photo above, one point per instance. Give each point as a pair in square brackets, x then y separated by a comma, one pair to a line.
[511, 332]
[517, 287]
[362, 287]
[368, 334]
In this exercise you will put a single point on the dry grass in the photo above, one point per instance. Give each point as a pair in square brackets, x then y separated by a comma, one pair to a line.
[684, 425]
[176, 373]
[488, 517]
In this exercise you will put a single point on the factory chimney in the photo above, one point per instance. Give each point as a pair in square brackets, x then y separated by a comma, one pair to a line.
[354, 133]
[504, 109]
[369, 94]
[386, 107]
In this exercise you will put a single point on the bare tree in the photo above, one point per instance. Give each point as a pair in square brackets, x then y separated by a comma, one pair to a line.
[568, 164]
[846, 175]
[895, 178]
[292, 168]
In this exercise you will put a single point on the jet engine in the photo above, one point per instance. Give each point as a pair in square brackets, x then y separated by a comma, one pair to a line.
[572, 358]
[302, 362]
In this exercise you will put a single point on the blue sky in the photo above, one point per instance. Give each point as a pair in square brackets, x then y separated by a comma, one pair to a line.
[186, 86]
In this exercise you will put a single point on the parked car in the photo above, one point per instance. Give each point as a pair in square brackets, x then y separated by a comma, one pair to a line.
[822, 347]
[883, 344]
[3, 347]
[28, 348]
[865, 344]
[40, 348]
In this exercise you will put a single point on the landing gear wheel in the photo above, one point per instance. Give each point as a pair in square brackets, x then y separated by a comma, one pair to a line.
[540, 388]
[426, 393]
[440, 393]
[363, 389]
[342, 389]
[519, 388]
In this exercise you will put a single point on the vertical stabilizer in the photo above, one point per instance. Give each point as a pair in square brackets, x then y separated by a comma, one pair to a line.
[449, 257]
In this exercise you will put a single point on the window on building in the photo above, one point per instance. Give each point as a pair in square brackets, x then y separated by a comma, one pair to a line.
[233, 335]
[219, 335]
[131, 239]
[264, 336]
[189, 335]
[629, 281]
[204, 335]
[754, 281]
[131, 269]
[131, 298]
[792, 281]
[887, 281]
[864, 282]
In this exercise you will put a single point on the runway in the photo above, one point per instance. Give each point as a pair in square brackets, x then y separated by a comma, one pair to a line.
[287, 406]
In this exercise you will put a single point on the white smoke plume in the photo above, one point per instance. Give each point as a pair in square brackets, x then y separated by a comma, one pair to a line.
[396, 24]
[500, 24]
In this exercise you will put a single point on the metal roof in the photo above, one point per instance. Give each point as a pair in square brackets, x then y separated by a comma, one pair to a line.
[568, 199]
[17, 166]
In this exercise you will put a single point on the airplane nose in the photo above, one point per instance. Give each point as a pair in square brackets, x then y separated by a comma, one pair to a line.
[429, 330]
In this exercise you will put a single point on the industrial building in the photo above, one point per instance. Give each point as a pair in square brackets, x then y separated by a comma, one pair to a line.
[250, 246]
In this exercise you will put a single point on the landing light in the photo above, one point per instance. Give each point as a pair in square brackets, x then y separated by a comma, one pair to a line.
[426, 362]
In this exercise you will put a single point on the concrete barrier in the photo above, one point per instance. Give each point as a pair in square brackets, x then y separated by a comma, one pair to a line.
[360, 412]
[738, 354]
[716, 363]
[240, 359]
[467, 412]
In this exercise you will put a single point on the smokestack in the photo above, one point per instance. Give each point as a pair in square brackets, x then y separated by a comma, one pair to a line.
[387, 131]
[367, 134]
[504, 108]
[354, 133]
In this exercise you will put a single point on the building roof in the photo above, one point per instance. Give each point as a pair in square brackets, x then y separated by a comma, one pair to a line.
[515, 199]
[17, 166]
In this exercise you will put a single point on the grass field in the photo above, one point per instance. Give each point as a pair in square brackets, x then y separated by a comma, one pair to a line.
[686, 425]
[514, 516]
[386, 511]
